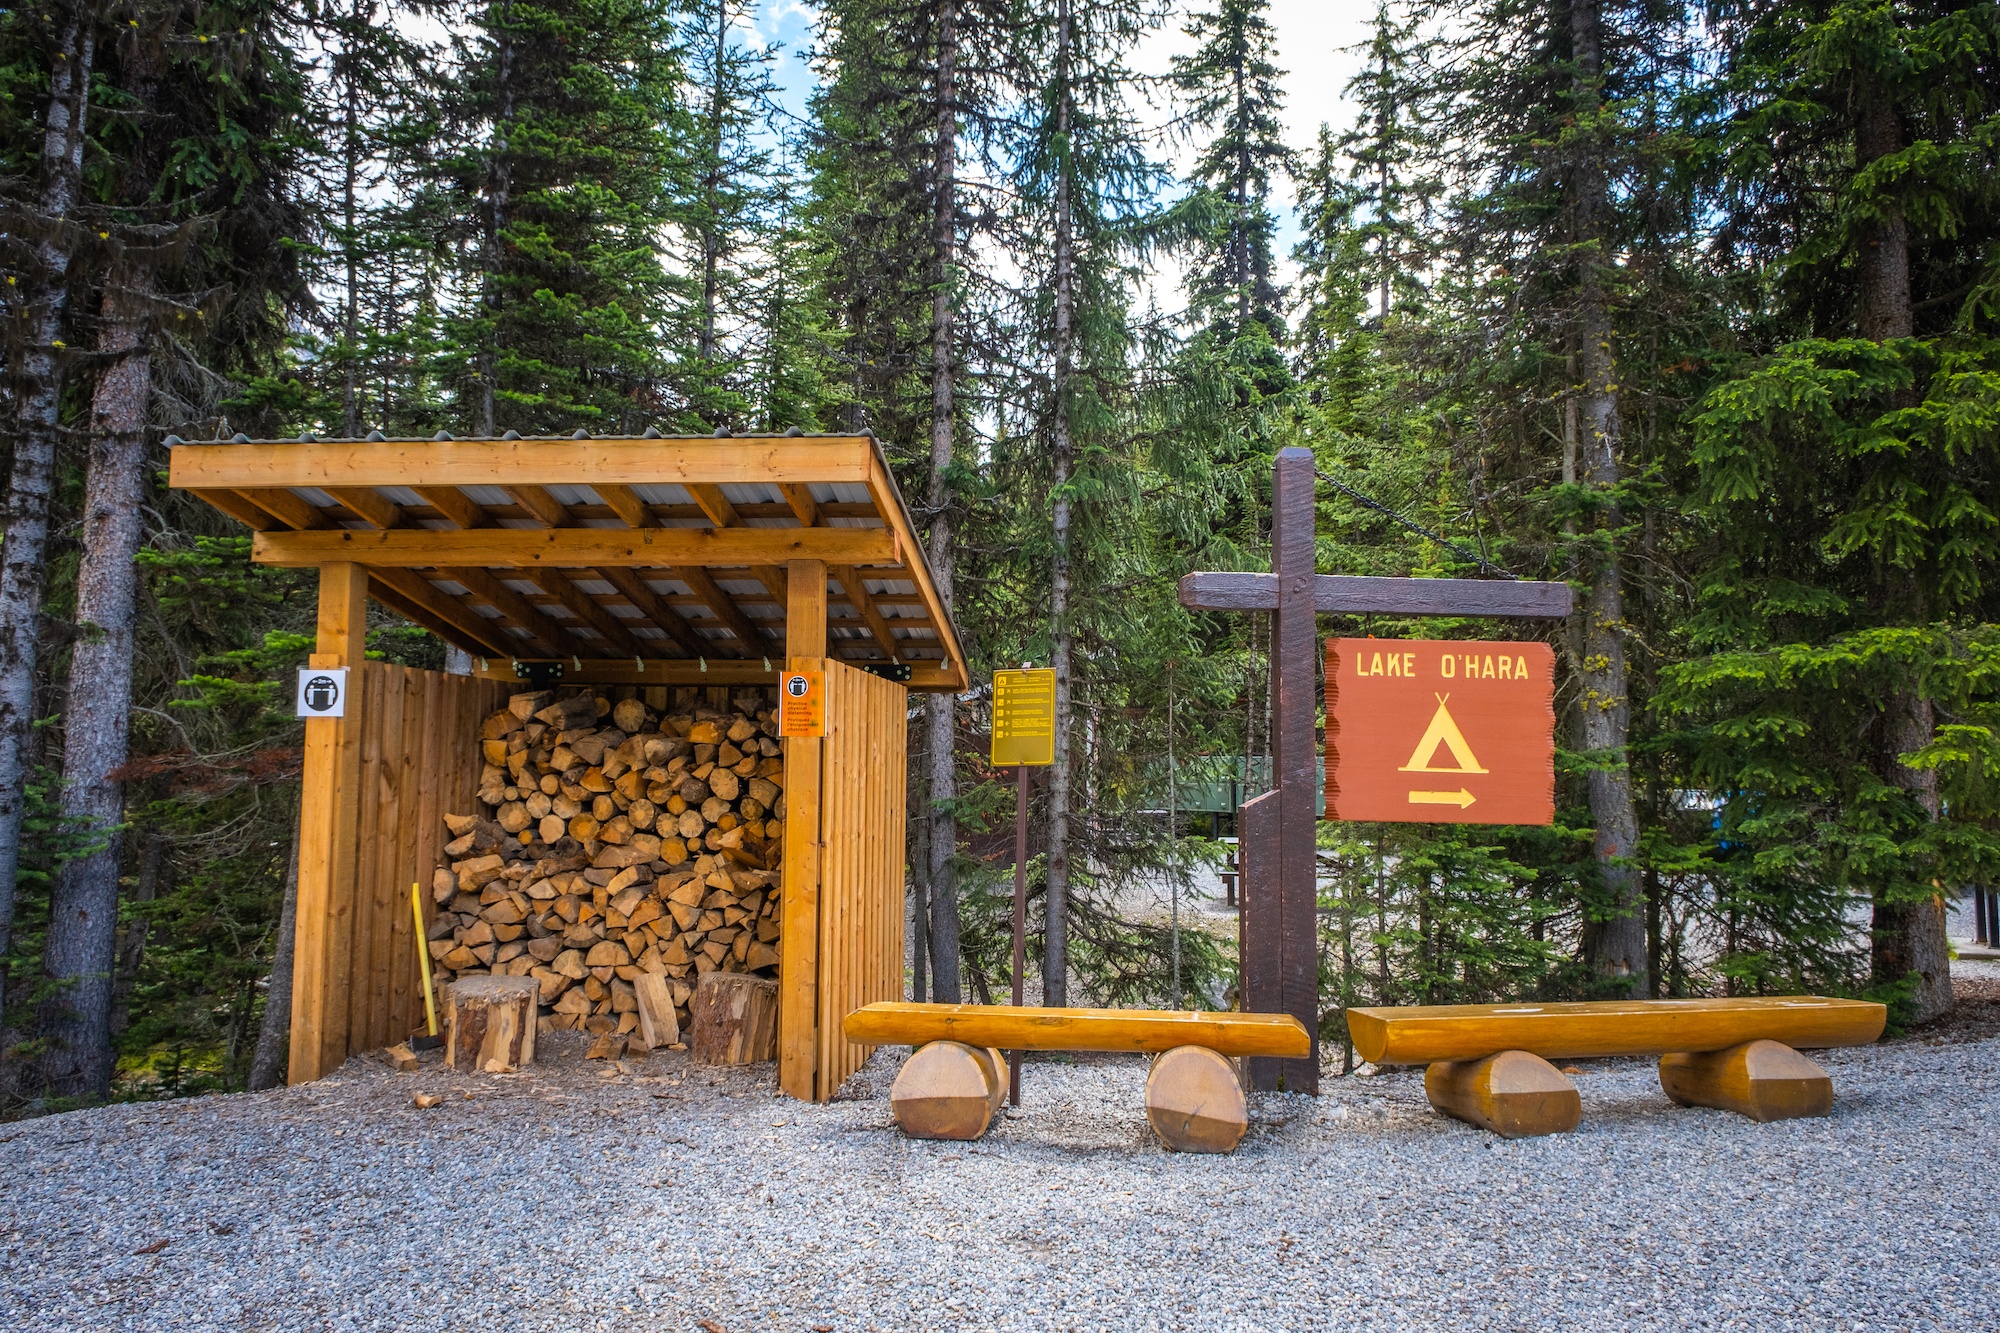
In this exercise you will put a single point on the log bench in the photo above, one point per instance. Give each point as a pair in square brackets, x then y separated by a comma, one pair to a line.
[1489, 1063]
[955, 1076]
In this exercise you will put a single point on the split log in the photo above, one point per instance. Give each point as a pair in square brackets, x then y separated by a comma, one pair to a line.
[1514, 1094]
[948, 1090]
[1194, 1101]
[490, 1020]
[734, 1019]
[1765, 1080]
[657, 1024]
[649, 884]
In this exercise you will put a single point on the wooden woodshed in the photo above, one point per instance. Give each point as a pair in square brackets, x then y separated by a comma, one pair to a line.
[632, 564]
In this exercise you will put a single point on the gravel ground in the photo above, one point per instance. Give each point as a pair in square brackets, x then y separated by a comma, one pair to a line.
[677, 1197]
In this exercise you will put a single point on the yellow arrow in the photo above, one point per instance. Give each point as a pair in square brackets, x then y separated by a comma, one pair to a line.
[1460, 798]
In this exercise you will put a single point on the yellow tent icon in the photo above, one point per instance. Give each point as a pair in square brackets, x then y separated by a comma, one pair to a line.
[1444, 731]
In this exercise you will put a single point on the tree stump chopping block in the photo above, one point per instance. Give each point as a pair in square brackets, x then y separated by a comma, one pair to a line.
[490, 1023]
[1765, 1080]
[1194, 1101]
[948, 1090]
[733, 1019]
[1514, 1094]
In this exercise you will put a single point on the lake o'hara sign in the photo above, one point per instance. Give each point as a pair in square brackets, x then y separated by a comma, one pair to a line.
[1440, 731]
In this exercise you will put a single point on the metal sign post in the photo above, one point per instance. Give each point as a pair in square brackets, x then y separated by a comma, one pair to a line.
[1024, 735]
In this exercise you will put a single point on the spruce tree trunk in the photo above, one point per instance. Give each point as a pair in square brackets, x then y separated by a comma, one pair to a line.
[137, 929]
[37, 393]
[83, 909]
[1055, 960]
[941, 709]
[1909, 937]
[269, 1061]
[1615, 947]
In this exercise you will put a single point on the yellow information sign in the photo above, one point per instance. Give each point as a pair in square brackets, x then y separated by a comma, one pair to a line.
[1024, 717]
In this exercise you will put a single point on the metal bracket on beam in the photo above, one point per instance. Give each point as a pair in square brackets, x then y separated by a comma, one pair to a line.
[539, 675]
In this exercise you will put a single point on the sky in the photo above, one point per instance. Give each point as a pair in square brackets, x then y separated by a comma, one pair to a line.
[1313, 37]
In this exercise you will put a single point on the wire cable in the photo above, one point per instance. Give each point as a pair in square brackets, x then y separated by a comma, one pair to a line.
[1369, 502]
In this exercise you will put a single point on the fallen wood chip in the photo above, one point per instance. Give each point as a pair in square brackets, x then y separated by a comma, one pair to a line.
[154, 1248]
[424, 1101]
[400, 1056]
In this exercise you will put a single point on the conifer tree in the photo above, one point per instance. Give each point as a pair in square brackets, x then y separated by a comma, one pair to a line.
[1087, 179]
[191, 189]
[1231, 84]
[54, 45]
[1849, 465]
[562, 179]
[1549, 122]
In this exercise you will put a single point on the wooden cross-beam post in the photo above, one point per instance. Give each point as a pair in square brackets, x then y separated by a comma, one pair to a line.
[1279, 947]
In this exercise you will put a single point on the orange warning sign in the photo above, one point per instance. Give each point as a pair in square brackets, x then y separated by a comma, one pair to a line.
[1436, 731]
[802, 703]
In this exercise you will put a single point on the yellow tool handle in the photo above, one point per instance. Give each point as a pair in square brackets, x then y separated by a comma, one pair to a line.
[424, 957]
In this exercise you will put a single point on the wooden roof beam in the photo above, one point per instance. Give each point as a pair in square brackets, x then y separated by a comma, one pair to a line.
[456, 505]
[625, 502]
[709, 498]
[371, 505]
[287, 508]
[804, 507]
[547, 635]
[654, 609]
[252, 516]
[750, 640]
[414, 597]
[573, 548]
[582, 604]
[421, 616]
[544, 508]
[423, 463]
[857, 593]
[882, 489]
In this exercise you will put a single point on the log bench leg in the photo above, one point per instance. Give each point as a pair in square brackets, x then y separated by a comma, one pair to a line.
[948, 1090]
[1514, 1094]
[1765, 1080]
[1194, 1101]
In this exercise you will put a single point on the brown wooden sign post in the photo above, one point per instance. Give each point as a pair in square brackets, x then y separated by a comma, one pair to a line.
[1279, 945]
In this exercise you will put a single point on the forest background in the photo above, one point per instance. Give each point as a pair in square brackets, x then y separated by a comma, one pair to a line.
[1694, 306]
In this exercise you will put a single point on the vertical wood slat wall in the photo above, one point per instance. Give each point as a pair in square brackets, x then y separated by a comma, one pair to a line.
[419, 760]
[862, 865]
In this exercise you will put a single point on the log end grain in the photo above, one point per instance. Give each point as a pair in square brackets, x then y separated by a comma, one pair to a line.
[1764, 1080]
[1514, 1094]
[948, 1090]
[1194, 1101]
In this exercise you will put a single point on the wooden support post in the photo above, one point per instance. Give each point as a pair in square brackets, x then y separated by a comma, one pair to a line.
[948, 1090]
[1294, 693]
[1194, 1101]
[1514, 1094]
[329, 807]
[1765, 1080]
[1259, 897]
[798, 965]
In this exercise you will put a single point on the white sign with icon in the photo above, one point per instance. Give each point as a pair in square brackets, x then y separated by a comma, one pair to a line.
[322, 692]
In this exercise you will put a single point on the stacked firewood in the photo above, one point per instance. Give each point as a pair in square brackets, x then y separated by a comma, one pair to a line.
[614, 841]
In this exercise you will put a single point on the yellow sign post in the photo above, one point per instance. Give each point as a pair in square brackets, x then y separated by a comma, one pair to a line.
[1024, 735]
[1024, 718]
